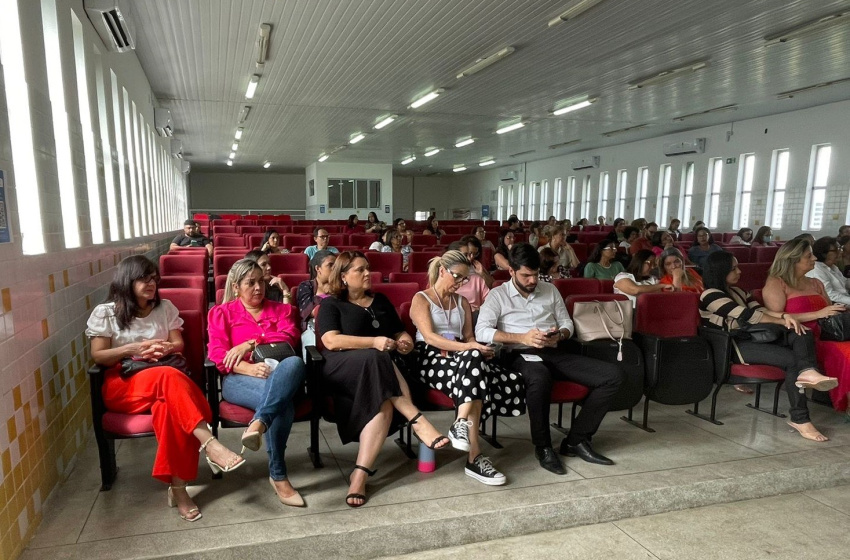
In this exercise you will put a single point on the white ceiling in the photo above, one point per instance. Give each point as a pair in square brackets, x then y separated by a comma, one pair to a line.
[336, 66]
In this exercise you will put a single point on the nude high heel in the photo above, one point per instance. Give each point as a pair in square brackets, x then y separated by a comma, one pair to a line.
[215, 467]
[172, 502]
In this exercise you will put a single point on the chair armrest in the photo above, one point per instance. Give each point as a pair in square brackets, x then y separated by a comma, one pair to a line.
[211, 387]
[315, 361]
[720, 343]
[95, 373]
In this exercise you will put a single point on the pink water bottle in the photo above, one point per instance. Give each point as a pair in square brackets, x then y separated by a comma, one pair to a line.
[427, 459]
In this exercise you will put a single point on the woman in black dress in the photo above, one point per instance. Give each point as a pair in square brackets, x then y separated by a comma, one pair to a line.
[359, 330]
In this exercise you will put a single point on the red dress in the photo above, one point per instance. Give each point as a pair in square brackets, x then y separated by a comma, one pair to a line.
[834, 357]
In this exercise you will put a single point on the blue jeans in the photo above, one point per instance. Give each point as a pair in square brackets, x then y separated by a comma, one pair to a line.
[271, 400]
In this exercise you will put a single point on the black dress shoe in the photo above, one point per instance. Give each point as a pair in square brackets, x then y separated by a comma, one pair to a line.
[549, 459]
[584, 452]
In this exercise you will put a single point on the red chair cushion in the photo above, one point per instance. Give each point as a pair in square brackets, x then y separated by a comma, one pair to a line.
[758, 371]
[567, 391]
[438, 398]
[128, 425]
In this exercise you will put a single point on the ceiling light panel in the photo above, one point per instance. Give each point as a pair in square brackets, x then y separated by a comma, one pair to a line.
[323, 157]
[574, 105]
[483, 63]
[574, 11]
[428, 97]
[239, 132]
[243, 114]
[263, 44]
[252, 86]
[432, 152]
[807, 28]
[408, 160]
[385, 121]
[668, 75]
[487, 162]
[510, 127]
[466, 142]
[357, 138]
[459, 169]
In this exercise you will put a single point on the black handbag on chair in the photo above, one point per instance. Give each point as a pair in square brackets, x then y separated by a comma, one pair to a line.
[835, 328]
[275, 350]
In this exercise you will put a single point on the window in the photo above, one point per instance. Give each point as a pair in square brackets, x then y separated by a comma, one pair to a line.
[640, 192]
[776, 188]
[622, 187]
[533, 200]
[818, 178]
[687, 193]
[712, 195]
[133, 156]
[510, 201]
[585, 198]
[106, 143]
[559, 208]
[500, 212]
[603, 194]
[354, 193]
[571, 199]
[120, 138]
[545, 202]
[664, 175]
[743, 200]
[521, 202]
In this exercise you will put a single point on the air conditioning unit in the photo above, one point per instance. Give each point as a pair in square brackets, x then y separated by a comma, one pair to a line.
[591, 162]
[185, 166]
[696, 146]
[177, 148]
[508, 175]
[162, 122]
[110, 24]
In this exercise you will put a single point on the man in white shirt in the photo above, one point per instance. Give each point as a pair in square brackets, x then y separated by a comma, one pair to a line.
[531, 320]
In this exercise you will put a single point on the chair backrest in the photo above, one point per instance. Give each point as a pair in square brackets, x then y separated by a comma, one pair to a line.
[292, 280]
[289, 263]
[580, 251]
[220, 281]
[753, 275]
[404, 314]
[606, 286]
[502, 275]
[741, 252]
[253, 228]
[420, 278]
[184, 265]
[764, 254]
[254, 240]
[570, 301]
[385, 263]
[362, 240]
[398, 293]
[376, 277]
[194, 334]
[189, 299]
[290, 240]
[223, 262]
[418, 260]
[303, 229]
[575, 286]
[449, 238]
[223, 229]
[425, 240]
[725, 237]
[183, 281]
[219, 296]
[668, 315]
[757, 295]
[234, 240]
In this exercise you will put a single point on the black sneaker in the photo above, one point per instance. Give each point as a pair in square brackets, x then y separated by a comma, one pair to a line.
[481, 469]
[459, 434]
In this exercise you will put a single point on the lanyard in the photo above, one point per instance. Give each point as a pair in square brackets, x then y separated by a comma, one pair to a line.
[448, 314]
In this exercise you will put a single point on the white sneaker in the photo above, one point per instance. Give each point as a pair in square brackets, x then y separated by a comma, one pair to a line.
[459, 434]
[482, 470]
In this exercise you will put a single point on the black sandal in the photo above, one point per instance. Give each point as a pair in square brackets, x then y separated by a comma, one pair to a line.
[359, 496]
[434, 443]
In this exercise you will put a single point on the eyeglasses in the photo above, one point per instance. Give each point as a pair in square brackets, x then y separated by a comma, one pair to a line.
[460, 279]
[150, 278]
[609, 249]
[322, 236]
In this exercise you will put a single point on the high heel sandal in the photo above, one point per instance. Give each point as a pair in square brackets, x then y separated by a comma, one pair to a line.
[358, 496]
[434, 443]
[823, 384]
[172, 502]
[215, 467]
[252, 440]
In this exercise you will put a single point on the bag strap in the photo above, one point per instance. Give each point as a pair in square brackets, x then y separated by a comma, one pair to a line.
[619, 341]
[622, 316]
[738, 352]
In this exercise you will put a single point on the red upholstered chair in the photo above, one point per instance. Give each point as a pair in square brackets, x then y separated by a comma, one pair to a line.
[223, 229]
[580, 251]
[418, 260]
[376, 277]
[184, 265]
[689, 237]
[362, 240]
[222, 263]
[450, 238]
[398, 293]
[679, 363]
[337, 239]
[242, 230]
[289, 263]
[197, 282]
[577, 286]
[290, 240]
[420, 278]
[303, 229]
[425, 240]
[253, 240]
[292, 280]
[753, 275]
[764, 254]
[220, 281]
[385, 263]
[235, 240]
[757, 295]
[741, 252]
[502, 275]
[486, 258]
[231, 217]
[606, 286]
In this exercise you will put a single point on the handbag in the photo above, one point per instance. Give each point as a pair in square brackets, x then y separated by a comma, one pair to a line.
[273, 350]
[130, 367]
[601, 320]
[835, 328]
[760, 333]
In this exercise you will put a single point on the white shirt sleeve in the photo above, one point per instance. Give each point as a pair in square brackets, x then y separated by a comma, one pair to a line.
[562, 316]
[100, 322]
[172, 315]
[836, 289]
[488, 318]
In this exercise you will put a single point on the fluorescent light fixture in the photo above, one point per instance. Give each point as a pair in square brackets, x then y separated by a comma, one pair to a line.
[263, 44]
[408, 160]
[483, 63]
[487, 162]
[575, 105]
[668, 75]
[732, 107]
[252, 86]
[267, 165]
[623, 130]
[563, 144]
[243, 114]
[574, 11]
[232, 155]
[808, 27]
[234, 147]
[794, 92]
[239, 133]
[426, 98]
[230, 163]
[466, 142]
[511, 127]
[459, 169]
[522, 153]
[432, 152]
[357, 138]
[384, 122]
[323, 157]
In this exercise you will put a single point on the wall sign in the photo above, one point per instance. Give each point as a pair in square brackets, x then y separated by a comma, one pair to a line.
[386, 209]
[5, 234]
[485, 210]
[321, 208]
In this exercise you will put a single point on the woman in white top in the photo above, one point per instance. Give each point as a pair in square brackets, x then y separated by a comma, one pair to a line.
[638, 278]
[135, 327]
[743, 237]
[837, 286]
[452, 361]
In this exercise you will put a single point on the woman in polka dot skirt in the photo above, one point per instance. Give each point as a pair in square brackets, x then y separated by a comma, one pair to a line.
[452, 361]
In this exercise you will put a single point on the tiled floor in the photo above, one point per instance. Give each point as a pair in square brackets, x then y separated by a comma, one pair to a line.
[686, 463]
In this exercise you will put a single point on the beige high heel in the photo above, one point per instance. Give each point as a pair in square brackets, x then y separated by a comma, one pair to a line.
[294, 500]
[823, 383]
[172, 502]
[215, 467]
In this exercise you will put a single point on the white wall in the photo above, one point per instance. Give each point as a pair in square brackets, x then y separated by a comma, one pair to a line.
[798, 131]
[322, 172]
[256, 192]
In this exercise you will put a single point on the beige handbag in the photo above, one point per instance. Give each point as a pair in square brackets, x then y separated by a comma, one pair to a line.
[603, 320]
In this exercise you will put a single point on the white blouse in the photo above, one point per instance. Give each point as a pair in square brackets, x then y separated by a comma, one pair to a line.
[156, 326]
[651, 281]
[835, 283]
[445, 320]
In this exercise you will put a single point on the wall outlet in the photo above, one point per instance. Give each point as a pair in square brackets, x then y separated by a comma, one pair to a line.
[731, 160]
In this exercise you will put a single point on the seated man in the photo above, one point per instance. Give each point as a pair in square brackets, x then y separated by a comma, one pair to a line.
[192, 237]
[531, 320]
[321, 236]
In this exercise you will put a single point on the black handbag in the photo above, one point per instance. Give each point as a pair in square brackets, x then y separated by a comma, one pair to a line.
[763, 333]
[835, 328]
[130, 367]
[273, 350]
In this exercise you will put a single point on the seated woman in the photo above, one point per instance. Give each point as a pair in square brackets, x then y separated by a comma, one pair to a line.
[662, 240]
[843, 261]
[246, 319]
[360, 331]
[602, 262]
[452, 361]
[478, 285]
[373, 224]
[135, 325]
[743, 237]
[673, 228]
[789, 290]
[582, 223]
[638, 278]
[671, 265]
[644, 238]
[703, 247]
[697, 224]
[276, 289]
[837, 286]
[567, 258]
[384, 242]
[550, 265]
[432, 227]
[506, 241]
[351, 226]
[536, 237]
[725, 306]
[630, 234]
[763, 238]
[312, 292]
[395, 246]
[481, 234]
[271, 243]
[600, 220]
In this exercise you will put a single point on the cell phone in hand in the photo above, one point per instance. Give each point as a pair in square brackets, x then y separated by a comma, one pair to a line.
[550, 334]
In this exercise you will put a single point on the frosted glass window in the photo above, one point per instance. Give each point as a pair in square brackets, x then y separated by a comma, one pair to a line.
[687, 193]
[778, 185]
[819, 176]
[106, 147]
[559, 198]
[665, 174]
[715, 181]
[746, 170]
[603, 194]
[640, 192]
[585, 198]
[571, 199]
[622, 193]
[120, 139]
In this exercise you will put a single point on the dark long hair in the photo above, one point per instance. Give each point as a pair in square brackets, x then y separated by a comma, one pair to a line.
[715, 270]
[121, 288]
[502, 248]
[267, 235]
[351, 219]
[636, 264]
[596, 254]
[341, 266]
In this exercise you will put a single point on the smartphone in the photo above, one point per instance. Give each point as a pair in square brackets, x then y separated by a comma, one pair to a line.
[550, 334]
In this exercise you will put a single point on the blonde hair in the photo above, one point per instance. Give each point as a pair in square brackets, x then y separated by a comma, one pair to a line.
[238, 271]
[446, 260]
[788, 255]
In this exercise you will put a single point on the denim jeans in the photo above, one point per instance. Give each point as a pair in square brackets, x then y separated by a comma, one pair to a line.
[271, 400]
